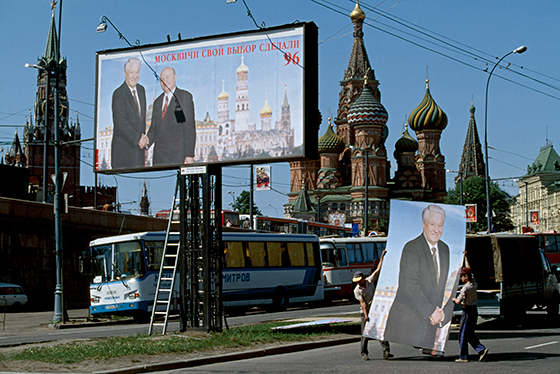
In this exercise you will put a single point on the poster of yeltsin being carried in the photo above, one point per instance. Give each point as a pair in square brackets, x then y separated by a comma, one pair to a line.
[222, 99]
[419, 276]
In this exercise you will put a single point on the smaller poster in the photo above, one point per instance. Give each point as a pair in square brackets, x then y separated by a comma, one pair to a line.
[471, 212]
[263, 178]
[534, 214]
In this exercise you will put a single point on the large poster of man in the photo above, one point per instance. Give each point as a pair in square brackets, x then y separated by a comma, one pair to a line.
[223, 99]
[412, 303]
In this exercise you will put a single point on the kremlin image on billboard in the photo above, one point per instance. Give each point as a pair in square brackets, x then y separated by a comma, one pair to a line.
[228, 99]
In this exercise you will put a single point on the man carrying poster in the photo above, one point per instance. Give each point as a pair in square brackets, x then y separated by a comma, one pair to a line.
[174, 135]
[419, 306]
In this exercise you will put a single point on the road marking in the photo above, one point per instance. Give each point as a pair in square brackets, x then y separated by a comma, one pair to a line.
[540, 345]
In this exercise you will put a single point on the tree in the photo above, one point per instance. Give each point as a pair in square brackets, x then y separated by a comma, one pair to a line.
[242, 204]
[474, 192]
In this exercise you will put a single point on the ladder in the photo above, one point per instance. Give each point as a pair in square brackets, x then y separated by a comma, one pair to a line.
[169, 261]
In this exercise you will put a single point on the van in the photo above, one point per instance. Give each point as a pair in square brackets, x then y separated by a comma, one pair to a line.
[12, 295]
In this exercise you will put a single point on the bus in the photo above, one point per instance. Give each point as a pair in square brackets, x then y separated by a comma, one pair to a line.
[259, 270]
[342, 257]
[292, 226]
[549, 244]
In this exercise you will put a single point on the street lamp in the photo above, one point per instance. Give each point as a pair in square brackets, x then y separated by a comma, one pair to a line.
[232, 193]
[487, 177]
[460, 185]
[272, 206]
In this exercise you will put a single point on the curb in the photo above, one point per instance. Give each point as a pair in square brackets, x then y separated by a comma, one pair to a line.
[235, 356]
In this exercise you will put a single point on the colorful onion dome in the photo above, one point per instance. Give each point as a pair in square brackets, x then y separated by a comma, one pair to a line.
[406, 143]
[330, 142]
[428, 115]
[266, 110]
[367, 110]
[357, 13]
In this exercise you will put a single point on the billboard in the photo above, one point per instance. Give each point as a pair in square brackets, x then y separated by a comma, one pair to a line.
[471, 212]
[238, 98]
[262, 178]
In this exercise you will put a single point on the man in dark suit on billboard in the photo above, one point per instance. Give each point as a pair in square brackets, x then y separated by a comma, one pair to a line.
[417, 310]
[129, 119]
[173, 126]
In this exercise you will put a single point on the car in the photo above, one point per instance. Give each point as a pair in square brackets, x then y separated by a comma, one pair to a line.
[12, 296]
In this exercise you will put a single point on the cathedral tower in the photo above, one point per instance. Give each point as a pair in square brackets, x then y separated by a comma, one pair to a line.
[472, 160]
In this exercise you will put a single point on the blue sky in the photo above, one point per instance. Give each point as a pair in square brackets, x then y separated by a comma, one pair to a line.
[522, 112]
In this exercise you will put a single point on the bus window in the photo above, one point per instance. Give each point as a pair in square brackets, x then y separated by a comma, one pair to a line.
[380, 248]
[310, 254]
[355, 254]
[274, 250]
[550, 242]
[101, 263]
[296, 254]
[369, 251]
[257, 254]
[233, 252]
[154, 250]
[128, 260]
[341, 252]
[328, 255]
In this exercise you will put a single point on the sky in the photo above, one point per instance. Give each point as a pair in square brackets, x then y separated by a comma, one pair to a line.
[450, 42]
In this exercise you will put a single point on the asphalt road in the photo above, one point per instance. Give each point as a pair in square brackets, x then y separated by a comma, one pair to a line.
[512, 350]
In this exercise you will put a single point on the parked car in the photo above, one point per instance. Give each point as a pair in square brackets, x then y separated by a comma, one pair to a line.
[13, 295]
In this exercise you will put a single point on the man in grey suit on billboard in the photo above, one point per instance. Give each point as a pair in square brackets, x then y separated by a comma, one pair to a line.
[417, 311]
[129, 119]
[173, 126]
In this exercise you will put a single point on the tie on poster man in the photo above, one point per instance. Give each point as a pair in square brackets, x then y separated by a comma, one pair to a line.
[419, 276]
[263, 178]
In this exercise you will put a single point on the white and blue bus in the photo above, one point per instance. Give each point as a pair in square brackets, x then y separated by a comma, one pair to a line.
[264, 270]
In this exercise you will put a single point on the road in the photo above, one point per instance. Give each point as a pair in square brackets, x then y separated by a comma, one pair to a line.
[19, 330]
[519, 350]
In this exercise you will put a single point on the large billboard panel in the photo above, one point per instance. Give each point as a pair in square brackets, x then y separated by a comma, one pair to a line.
[239, 98]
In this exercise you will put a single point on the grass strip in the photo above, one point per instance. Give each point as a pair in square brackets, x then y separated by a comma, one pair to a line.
[187, 342]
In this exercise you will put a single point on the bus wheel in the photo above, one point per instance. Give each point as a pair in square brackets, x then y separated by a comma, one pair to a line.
[280, 299]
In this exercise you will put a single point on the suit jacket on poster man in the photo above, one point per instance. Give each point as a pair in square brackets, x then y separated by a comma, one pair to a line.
[173, 140]
[128, 126]
[418, 295]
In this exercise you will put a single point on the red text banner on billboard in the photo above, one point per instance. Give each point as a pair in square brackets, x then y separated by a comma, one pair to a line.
[227, 99]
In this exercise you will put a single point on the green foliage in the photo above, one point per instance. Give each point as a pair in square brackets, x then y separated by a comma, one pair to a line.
[143, 344]
[242, 204]
[474, 192]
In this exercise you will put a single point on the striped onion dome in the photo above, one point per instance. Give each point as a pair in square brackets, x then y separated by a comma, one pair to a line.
[330, 142]
[428, 115]
[406, 143]
[367, 110]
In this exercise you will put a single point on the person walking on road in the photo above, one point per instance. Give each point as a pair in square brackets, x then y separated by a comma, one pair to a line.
[467, 299]
[364, 291]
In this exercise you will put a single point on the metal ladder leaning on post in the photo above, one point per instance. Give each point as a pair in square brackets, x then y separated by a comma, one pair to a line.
[169, 261]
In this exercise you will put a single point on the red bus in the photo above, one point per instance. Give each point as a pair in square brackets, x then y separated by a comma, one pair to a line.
[294, 226]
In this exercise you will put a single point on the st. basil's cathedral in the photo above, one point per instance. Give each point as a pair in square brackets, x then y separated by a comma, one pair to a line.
[338, 179]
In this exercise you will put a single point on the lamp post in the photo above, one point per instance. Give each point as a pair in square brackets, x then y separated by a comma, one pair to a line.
[460, 185]
[272, 206]
[366, 202]
[487, 177]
